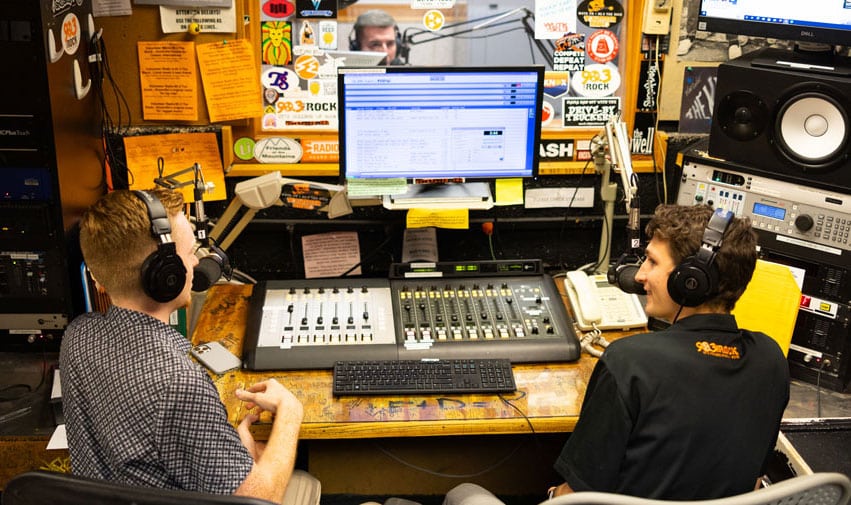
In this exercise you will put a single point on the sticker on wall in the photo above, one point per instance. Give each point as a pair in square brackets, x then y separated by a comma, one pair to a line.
[317, 150]
[569, 54]
[328, 34]
[281, 79]
[303, 113]
[316, 8]
[71, 33]
[602, 46]
[552, 19]
[306, 66]
[643, 133]
[599, 13]
[276, 42]
[307, 35]
[243, 148]
[433, 20]
[556, 83]
[547, 113]
[596, 80]
[277, 150]
[556, 150]
[277, 9]
[586, 112]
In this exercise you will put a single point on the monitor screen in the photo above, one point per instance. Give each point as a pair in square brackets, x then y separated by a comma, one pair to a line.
[815, 21]
[439, 122]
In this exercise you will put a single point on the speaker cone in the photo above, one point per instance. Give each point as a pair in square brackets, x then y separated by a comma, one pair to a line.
[742, 115]
[812, 129]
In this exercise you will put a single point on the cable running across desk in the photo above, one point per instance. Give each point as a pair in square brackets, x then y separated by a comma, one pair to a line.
[427, 376]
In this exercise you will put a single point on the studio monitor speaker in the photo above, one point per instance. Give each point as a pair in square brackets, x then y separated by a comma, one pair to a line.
[793, 125]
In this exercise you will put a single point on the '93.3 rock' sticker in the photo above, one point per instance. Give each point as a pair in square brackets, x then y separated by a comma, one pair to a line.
[596, 80]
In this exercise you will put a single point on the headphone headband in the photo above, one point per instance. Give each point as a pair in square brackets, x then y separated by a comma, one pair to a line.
[163, 272]
[160, 225]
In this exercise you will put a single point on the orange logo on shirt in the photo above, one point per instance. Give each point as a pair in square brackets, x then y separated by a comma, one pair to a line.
[717, 350]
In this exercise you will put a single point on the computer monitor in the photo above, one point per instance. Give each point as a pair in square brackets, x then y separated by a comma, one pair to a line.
[439, 123]
[815, 21]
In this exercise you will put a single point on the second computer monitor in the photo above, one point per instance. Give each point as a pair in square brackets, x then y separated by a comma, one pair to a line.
[473, 123]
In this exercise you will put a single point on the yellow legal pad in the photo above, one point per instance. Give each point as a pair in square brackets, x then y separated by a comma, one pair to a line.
[770, 303]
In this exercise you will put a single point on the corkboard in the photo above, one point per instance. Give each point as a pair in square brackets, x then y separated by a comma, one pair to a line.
[121, 34]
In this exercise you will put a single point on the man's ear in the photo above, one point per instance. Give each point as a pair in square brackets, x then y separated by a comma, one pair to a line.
[98, 285]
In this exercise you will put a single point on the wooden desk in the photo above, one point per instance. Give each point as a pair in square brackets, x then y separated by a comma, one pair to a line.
[550, 395]
[370, 432]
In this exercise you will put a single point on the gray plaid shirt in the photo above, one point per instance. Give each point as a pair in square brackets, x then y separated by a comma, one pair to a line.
[138, 410]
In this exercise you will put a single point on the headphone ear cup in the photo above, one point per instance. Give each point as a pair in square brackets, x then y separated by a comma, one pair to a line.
[691, 284]
[163, 274]
[354, 45]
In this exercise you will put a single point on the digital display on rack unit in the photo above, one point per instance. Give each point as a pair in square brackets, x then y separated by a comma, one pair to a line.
[761, 209]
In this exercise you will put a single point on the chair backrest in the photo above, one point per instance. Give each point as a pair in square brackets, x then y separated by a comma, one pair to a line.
[41, 487]
[815, 489]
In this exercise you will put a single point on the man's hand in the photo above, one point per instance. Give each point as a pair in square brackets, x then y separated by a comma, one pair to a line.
[270, 395]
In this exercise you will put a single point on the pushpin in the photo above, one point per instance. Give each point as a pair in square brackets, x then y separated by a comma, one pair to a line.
[194, 28]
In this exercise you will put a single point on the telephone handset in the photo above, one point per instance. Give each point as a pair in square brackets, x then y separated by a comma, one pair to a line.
[598, 304]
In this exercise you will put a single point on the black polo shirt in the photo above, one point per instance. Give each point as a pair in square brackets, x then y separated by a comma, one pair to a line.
[688, 413]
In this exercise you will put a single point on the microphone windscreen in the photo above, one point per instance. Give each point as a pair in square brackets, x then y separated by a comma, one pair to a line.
[206, 273]
[626, 280]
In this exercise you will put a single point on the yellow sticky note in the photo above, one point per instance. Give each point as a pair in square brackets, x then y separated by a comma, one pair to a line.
[456, 219]
[770, 303]
[509, 191]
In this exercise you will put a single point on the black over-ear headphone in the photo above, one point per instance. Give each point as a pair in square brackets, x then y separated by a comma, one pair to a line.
[163, 272]
[695, 280]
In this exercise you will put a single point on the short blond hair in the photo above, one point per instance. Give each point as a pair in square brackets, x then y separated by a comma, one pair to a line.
[116, 238]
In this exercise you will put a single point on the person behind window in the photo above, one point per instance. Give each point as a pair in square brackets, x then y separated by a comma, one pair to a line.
[376, 30]
[691, 412]
[138, 409]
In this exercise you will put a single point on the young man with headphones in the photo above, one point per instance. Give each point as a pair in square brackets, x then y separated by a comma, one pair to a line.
[138, 409]
[376, 30]
[691, 412]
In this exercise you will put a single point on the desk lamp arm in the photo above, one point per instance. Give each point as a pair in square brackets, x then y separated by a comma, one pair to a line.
[256, 194]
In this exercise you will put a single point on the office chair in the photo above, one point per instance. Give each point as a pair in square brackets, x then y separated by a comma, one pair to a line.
[41, 487]
[814, 489]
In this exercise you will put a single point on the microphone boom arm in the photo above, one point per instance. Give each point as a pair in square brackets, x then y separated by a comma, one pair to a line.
[614, 141]
[413, 37]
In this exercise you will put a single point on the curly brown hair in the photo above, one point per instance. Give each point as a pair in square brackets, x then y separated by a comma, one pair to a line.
[115, 238]
[683, 226]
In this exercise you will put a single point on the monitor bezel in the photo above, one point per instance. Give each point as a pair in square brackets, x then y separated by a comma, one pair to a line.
[753, 28]
[539, 70]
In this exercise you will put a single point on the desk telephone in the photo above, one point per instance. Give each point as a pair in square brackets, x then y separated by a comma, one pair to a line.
[596, 303]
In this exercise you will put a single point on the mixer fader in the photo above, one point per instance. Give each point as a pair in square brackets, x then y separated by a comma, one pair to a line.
[491, 309]
[311, 324]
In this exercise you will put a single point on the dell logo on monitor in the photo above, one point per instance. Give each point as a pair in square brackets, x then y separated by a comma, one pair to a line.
[807, 34]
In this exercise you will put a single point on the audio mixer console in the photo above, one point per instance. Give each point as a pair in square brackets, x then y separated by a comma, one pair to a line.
[492, 309]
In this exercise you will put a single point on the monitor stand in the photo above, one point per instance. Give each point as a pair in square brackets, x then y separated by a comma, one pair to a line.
[465, 195]
[801, 61]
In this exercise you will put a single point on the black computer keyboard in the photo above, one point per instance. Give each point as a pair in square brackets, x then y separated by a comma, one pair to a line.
[427, 376]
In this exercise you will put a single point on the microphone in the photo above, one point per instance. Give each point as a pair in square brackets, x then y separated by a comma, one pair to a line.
[212, 264]
[622, 274]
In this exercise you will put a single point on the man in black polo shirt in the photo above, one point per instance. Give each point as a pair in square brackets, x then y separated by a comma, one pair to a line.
[691, 412]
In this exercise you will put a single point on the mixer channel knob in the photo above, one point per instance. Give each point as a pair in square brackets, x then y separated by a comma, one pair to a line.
[804, 222]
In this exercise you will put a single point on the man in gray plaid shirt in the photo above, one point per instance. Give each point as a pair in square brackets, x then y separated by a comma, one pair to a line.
[138, 410]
